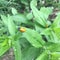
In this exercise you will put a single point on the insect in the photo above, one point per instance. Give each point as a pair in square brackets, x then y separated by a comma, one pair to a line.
[22, 29]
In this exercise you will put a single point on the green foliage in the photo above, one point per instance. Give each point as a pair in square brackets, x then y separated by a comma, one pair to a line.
[40, 40]
[30, 53]
[17, 50]
[34, 38]
[43, 56]
[4, 46]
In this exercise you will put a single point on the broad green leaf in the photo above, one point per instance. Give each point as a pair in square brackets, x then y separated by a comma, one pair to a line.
[53, 37]
[53, 47]
[4, 19]
[14, 11]
[4, 47]
[34, 38]
[38, 28]
[50, 35]
[11, 26]
[29, 16]
[24, 43]
[57, 32]
[4, 42]
[56, 22]
[2, 38]
[30, 53]
[46, 11]
[20, 18]
[17, 50]
[55, 56]
[39, 17]
[43, 56]
[8, 21]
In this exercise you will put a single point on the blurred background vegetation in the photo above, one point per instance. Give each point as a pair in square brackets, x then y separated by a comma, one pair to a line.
[24, 5]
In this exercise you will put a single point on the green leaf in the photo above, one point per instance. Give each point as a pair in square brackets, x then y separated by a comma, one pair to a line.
[4, 42]
[17, 50]
[34, 38]
[4, 47]
[8, 21]
[11, 26]
[56, 22]
[30, 53]
[55, 56]
[53, 47]
[39, 17]
[46, 11]
[57, 32]
[20, 18]
[29, 16]
[50, 35]
[14, 11]
[38, 28]
[4, 19]
[43, 56]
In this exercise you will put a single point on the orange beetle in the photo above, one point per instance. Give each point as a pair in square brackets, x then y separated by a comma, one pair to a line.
[22, 29]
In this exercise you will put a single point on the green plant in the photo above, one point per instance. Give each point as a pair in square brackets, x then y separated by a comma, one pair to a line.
[40, 38]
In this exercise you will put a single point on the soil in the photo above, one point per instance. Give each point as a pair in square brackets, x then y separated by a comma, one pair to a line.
[8, 55]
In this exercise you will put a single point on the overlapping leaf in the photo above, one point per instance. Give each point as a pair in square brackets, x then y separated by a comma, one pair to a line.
[11, 26]
[55, 56]
[30, 53]
[40, 17]
[34, 38]
[43, 56]
[53, 47]
[17, 50]
[56, 22]
[4, 47]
